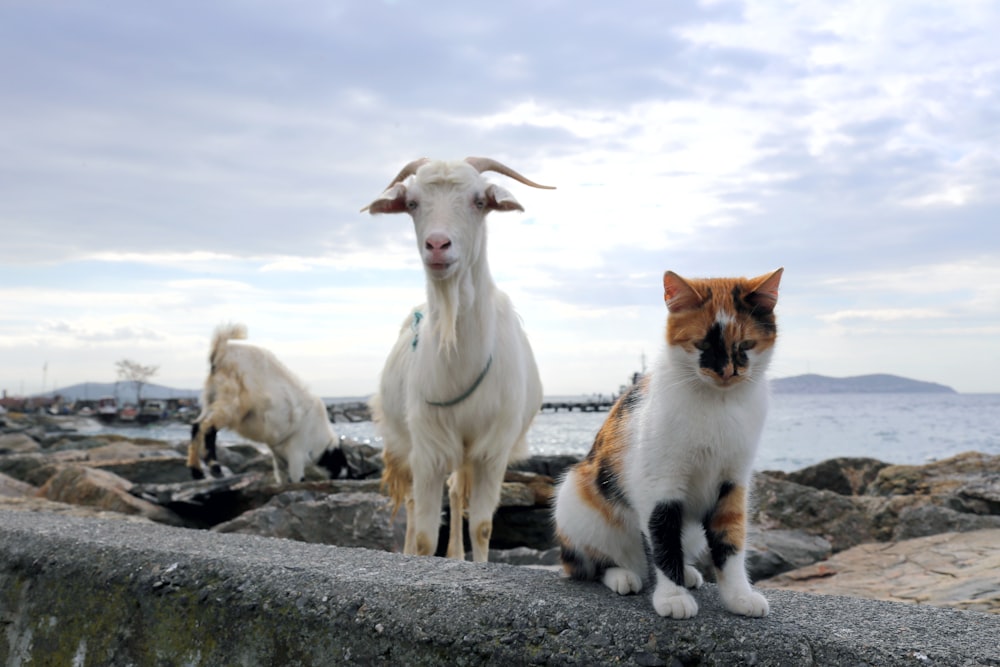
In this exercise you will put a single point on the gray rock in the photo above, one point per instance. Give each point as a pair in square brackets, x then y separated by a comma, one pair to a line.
[18, 443]
[784, 505]
[925, 520]
[846, 476]
[342, 519]
[15, 488]
[772, 552]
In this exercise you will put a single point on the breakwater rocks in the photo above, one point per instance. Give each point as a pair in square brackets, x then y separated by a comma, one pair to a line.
[925, 534]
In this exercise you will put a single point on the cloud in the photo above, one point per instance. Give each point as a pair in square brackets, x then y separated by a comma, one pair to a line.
[166, 167]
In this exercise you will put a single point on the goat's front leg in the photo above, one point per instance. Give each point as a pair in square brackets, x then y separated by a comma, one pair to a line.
[484, 496]
[195, 449]
[428, 483]
[202, 447]
[458, 495]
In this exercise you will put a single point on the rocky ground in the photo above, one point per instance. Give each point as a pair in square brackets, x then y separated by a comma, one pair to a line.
[859, 527]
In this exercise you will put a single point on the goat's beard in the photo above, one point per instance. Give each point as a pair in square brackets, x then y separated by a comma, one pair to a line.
[446, 299]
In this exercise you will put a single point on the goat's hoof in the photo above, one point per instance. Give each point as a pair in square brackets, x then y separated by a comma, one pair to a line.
[216, 470]
[196, 473]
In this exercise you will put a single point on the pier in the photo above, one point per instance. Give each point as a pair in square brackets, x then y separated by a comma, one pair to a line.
[596, 404]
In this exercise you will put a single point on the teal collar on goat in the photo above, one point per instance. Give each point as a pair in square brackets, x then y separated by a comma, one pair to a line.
[417, 317]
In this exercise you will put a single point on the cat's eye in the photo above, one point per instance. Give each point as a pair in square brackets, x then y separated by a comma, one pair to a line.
[747, 344]
[702, 345]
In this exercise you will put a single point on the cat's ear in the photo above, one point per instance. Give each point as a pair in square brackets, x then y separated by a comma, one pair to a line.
[764, 296]
[678, 294]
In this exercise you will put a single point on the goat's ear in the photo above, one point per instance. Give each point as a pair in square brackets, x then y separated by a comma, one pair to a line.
[498, 199]
[392, 200]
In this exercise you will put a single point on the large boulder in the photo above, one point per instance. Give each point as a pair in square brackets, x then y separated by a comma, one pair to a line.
[924, 520]
[772, 552]
[38, 468]
[342, 519]
[147, 470]
[846, 476]
[35, 504]
[15, 488]
[960, 570]
[784, 505]
[18, 443]
[941, 479]
[80, 485]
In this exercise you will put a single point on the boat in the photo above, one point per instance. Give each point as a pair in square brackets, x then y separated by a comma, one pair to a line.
[107, 409]
[128, 413]
[152, 410]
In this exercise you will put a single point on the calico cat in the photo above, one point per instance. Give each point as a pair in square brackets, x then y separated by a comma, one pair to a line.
[670, 467]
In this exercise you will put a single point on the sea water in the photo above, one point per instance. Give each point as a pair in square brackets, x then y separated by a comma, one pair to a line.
[801, 429]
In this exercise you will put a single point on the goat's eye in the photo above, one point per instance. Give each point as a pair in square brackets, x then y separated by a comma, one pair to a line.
[412, 204]
[747, 344]
[702, 345]
[480, 203]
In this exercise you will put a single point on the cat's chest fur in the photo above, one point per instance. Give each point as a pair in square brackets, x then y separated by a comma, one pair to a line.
[687, 439]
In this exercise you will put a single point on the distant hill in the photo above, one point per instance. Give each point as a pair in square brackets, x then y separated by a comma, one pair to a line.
[123, 391]
[858, 384]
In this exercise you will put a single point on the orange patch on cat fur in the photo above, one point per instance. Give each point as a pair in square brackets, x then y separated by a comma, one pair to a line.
[729, 517]
[607, 454]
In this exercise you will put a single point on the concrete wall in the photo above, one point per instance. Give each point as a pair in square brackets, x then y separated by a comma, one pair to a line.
[92, 592]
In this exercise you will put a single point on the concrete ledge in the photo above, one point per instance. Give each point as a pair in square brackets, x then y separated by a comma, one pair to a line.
[99, 592]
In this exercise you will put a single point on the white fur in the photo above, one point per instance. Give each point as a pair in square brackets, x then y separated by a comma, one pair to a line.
[249, 391]
[467, 319]
[687, 436]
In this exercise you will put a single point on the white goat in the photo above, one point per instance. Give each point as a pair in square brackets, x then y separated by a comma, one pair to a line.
[249, 391]
[460, 386]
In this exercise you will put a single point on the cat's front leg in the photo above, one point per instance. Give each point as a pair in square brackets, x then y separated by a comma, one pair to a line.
[725, 531]
[671, 597]
[672, 600]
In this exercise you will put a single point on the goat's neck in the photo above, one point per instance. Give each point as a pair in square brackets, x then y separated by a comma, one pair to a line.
[462, 313]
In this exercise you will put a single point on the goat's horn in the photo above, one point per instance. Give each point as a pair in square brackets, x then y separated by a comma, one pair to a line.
[482, 164]
[408, 170]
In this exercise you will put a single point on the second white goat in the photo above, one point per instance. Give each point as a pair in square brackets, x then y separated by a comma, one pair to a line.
[249, 391]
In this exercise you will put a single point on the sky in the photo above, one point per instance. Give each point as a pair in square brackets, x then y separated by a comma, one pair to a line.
[167, 167]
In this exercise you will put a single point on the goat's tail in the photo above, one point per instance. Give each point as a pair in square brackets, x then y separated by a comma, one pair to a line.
[223, 333]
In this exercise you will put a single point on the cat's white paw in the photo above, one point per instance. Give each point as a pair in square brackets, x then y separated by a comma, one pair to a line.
[674, 601]
[622, 581]
[750, 603]
[692, 577]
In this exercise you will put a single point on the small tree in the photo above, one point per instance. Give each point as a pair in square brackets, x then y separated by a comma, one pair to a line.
[136, 373]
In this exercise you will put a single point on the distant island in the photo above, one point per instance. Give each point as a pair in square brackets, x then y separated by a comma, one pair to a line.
[859, 384]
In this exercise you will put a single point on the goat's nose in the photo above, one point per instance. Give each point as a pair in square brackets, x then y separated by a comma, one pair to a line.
[437, 241]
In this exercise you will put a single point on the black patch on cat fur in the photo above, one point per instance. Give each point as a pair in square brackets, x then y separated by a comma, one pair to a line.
[665, 526]
[715, 356]
[746, 305]
[631, 399]
[607, 484]
[581, 567]
[720, 549]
